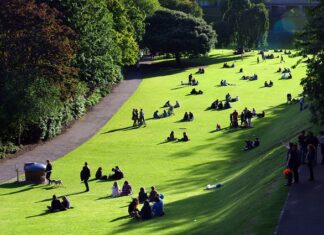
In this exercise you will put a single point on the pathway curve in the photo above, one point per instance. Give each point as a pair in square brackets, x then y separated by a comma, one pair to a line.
[303, 212]
[78, 133]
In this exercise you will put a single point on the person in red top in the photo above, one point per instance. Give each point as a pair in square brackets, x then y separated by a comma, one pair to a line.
[235, 118]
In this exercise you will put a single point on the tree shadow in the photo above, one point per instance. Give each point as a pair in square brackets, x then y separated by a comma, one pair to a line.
[121, 218]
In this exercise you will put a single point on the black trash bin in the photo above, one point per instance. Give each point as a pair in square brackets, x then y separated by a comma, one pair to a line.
[35, 172]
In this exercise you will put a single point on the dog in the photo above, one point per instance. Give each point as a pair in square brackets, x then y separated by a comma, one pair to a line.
[56, 182]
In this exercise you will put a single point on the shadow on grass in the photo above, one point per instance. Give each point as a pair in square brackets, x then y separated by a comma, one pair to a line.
[253, 192]
[13, 185]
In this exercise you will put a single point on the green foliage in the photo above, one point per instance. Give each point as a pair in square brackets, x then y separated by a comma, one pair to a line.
[248, 23]
[311, 41]
[178, 33]
[187, 6]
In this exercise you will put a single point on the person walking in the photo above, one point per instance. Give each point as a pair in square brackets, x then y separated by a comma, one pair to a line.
[310, 157]
[301, 103]
[85, 175]
[48, 170]
[293, 163]
[302, 146]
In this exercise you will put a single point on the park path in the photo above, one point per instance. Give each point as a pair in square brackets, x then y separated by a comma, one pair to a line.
[78, 133]
[303, 212]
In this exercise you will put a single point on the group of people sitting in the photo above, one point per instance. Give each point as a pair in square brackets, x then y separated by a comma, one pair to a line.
[245, 117]
[224, 83]
[187, 117]
[266, 84]
[116, 174]
[166, 113]
[250, 144]
[200, 71]
[147, 211]
[191, 81]
[57, 205]
[218, 105]
[195, 92]
[250, 78]
[286, 76]
[184, 138]
[285, 70]
[225, 65]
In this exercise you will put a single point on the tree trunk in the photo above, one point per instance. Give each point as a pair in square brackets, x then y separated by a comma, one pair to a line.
[177, 56]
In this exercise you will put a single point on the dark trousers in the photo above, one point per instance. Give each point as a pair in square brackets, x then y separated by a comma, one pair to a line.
[322, 152]
[294, 176]
[311, 171]
[86, 184]
[48, 176]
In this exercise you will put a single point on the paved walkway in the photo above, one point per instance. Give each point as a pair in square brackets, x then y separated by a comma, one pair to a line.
[303, 213]
[76, 135]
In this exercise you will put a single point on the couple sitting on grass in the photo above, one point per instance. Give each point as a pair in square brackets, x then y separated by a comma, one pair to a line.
[57, 205]
[125, 191]
[225, 65]
[187, 117]
[195, 92]
[147, 211]
[185, 138]
[266, 84]
[116, 175]
[168, 105]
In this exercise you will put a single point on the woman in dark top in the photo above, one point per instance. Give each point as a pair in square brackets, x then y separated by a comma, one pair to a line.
[146, 211]
[142, 195]
[311, 151]
[132, 208]
[99, 173]
[293, 163]
[48, 170]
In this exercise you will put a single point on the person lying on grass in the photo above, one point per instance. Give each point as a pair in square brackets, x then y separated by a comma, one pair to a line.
[261, 115]
[195, 92]
[115, 190]
[249, 144]
[171, 137]
[127, 189]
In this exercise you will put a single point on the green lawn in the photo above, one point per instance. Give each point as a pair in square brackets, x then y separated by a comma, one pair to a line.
[253, 192]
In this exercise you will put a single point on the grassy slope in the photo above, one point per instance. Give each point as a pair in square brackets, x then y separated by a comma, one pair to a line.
[252, 197]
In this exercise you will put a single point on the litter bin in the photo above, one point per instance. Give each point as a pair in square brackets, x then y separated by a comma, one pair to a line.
[35, 172]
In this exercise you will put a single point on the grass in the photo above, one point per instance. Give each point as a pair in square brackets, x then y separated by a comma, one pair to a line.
[252, 196]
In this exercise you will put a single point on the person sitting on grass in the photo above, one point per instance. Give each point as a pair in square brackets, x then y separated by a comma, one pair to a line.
[214, 105]
[249, 144]
[260, 115]
[153, 194]
[194, 82]
[157, 208]
[99, 173]
[55, 205]
[191, 116]
[227, 105]
[165, 114]
[220, 106]
[279, 70]
[241, 70]
[177, 104]
[245, 77]
[234, 99]
[289, 98]
[117, 174]
[146, 211]
[170, 111]
[167, 104]
[127, 189]
[266, 84]
[254, 112]
[254, 77]
[228, 97]
[270, 83]
[185, 117]
[184, 138]
[195, 92]
[256, 143]
[142, 196]
[171, 137]
[65, 203]
[218, 127]
[133, 210]
[115, 190]
[156, 115]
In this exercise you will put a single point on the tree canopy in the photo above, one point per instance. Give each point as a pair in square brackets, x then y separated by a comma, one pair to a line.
[187, 6]
[311, 40]
[178, 33]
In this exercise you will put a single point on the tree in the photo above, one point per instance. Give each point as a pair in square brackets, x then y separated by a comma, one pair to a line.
[178, 33]
[248, 23]
[187, 6]
[311, 42]
[36, 76]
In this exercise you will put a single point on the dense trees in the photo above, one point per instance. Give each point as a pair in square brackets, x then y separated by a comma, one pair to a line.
[248, 23]
[312, 43]
[187, 6]
[178, 33]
